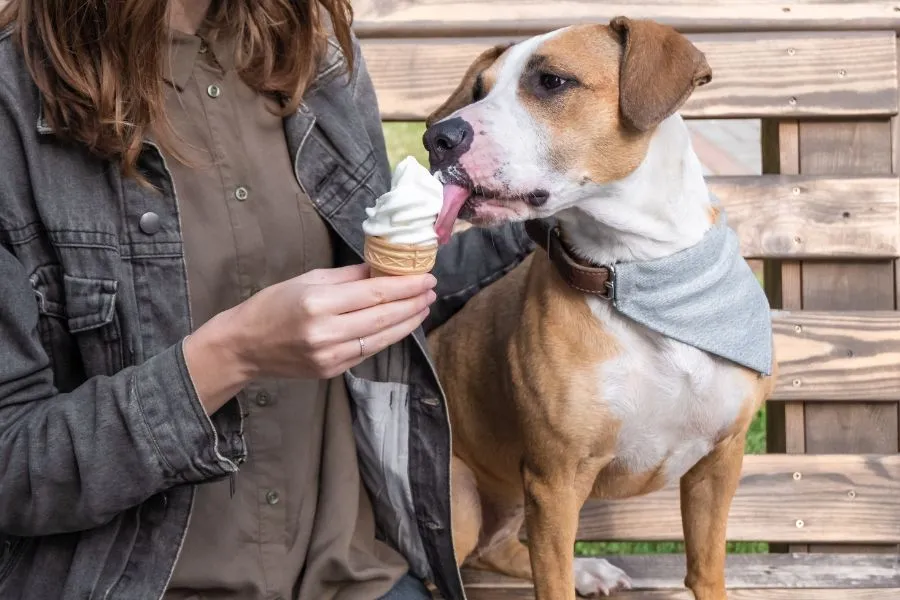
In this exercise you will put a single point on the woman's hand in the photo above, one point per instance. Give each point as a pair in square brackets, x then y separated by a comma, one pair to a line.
[306, 327]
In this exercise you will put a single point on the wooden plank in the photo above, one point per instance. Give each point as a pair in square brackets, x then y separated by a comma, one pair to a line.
[785, 422]
[837, 356]
[782, 498]
[743, 572]
[431, 18]
[783, 216]
[843, 148]
[754, 75]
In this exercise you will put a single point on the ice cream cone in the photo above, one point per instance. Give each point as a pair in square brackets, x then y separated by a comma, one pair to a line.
[386, 259]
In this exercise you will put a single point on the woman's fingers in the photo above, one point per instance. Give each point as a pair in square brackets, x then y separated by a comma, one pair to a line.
[359, 295]
[335, 276]
[369, 321]
[352, 352]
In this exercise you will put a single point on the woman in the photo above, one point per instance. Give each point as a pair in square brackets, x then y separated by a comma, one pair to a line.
[202, 394]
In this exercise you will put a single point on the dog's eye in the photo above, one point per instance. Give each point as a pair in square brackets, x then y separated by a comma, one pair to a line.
[551, 82]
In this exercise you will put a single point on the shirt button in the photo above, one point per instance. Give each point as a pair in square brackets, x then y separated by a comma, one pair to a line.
[272, 497]
[214, 91]
[262, 399]
[241, 193]
[149, 223]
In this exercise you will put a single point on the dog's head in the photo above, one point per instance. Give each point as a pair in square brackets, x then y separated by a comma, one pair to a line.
[534, 126]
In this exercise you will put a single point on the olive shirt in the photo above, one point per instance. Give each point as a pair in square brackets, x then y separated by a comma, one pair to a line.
[295, 521]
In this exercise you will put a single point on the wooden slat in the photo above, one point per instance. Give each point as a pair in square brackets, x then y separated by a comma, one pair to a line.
[518, 17]
[754, 75]
[837, 355]
[757, 572]
[793, 217]
[835, 498]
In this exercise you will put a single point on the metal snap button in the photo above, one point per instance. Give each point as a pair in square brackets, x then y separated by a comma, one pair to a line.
[149, 223]
[262, 399]
[214, 91]
[241, 193]
[272, 497]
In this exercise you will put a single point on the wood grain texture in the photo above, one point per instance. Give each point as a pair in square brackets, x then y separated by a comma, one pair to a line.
[837, 356]
[754, 75]
[493, 17]
[743, 572]
[783, 216]
[838, 498]
[861, 147]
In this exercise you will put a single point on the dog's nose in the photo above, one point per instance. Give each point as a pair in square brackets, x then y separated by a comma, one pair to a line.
[447, 140]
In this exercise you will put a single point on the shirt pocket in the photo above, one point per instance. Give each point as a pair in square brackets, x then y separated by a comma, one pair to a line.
[78, 320]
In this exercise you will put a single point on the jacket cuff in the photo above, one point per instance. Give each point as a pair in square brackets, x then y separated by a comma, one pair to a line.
[191, 449]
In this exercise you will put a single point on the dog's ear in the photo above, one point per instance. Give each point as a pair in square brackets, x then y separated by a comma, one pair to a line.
[659, 70]
[466, 92]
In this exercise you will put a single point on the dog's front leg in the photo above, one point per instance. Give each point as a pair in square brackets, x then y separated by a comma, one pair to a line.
[706, 493]
[552, 505]
[555, 491]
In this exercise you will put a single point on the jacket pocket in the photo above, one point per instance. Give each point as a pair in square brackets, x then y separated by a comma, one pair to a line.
[78, 318]
[381, 430]
[11, 550]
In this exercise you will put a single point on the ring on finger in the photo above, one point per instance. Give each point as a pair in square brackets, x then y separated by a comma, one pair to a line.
[362, 347]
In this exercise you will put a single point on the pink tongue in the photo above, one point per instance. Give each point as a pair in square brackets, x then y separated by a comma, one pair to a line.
[454, 198]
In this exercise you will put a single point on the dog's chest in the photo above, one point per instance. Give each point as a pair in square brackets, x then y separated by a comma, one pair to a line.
[672, 400]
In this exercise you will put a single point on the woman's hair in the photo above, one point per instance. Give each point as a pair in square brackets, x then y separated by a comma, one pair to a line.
[99, 63]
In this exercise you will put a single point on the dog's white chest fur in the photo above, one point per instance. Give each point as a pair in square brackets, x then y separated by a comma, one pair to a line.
[673, 401]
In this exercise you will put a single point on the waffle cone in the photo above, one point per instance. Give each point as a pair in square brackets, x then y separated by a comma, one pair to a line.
[385, 258]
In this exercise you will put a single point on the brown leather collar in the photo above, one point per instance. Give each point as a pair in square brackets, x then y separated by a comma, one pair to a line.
[581, 275]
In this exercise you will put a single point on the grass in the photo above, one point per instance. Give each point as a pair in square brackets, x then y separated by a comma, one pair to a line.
[404, 139]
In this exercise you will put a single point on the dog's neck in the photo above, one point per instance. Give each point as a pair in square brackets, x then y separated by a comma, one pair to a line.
[661, 208]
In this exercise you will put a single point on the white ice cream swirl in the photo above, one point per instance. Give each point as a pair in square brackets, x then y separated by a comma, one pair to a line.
[406, 214]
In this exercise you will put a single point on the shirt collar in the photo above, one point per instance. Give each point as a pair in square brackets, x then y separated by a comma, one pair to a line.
[185, 49]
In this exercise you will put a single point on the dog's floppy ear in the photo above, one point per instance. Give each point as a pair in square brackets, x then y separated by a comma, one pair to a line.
[660, 69]
[465, 92]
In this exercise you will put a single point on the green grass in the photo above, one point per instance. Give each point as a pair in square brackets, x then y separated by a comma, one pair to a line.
[404, 139]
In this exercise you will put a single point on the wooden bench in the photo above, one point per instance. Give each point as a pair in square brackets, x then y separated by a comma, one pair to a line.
[823, 217]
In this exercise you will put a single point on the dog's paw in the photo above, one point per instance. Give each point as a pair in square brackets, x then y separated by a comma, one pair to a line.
[597, 577]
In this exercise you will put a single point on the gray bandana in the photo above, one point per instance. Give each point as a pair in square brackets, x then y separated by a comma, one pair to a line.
[705, 296]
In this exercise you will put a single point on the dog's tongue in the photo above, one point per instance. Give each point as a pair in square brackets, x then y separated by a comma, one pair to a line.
[454, 198]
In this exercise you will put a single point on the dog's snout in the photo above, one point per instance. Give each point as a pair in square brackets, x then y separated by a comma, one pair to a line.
[447, 140]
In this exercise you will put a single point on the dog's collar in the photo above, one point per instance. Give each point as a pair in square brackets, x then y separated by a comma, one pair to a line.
[581, 275]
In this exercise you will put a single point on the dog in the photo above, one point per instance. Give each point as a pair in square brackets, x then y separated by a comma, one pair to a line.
[554, 395]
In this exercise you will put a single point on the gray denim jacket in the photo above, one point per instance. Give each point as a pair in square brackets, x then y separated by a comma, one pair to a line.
[102, 438]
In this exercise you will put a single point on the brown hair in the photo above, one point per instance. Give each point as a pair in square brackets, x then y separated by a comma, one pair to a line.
[99, 63]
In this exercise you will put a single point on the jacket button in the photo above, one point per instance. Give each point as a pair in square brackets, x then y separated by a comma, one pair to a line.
[272, 497]
[241, 193]
[149, 223]
[262, 399]
[214, 91]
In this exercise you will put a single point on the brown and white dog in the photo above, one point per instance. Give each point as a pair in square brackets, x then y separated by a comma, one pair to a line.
[553, 396]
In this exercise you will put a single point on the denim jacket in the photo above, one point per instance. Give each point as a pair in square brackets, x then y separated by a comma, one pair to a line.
[102, 437]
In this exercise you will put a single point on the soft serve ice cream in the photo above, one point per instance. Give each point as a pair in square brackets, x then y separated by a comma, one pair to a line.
[406, 214]
[400, 235]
